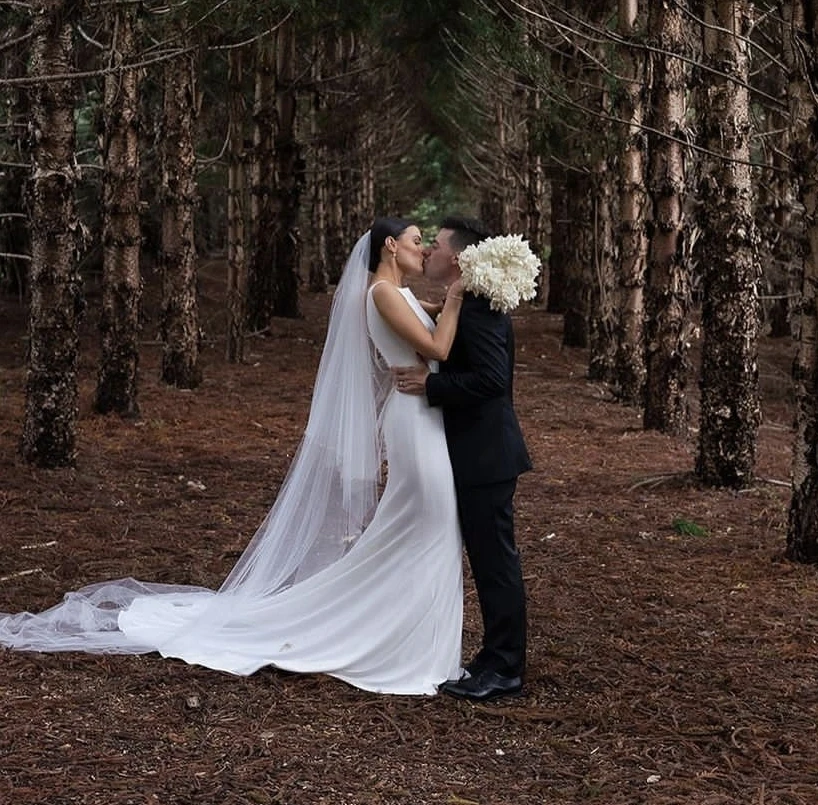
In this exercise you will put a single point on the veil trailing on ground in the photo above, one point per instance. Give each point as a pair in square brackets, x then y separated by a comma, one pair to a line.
[327, 498]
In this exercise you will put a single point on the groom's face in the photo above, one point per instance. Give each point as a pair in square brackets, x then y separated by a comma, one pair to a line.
[440, 259]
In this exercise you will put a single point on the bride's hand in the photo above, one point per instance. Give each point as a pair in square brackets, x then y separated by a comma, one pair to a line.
[455, 290]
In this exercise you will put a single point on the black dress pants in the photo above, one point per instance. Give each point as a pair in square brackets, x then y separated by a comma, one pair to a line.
[487, 523]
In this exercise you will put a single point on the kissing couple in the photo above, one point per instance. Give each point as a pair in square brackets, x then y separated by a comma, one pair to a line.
[337, 579]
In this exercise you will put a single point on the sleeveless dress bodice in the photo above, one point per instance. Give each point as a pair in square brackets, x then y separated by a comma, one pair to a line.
[394, 349]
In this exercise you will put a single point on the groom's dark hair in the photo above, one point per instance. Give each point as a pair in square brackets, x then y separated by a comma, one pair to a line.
[465, 231]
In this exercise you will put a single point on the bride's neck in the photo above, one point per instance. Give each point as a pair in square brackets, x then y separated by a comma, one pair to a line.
[389, 272]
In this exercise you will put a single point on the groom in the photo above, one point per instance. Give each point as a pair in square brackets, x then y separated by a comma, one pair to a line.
[487, 451]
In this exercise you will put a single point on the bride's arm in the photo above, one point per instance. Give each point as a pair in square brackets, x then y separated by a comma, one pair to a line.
[404, 321]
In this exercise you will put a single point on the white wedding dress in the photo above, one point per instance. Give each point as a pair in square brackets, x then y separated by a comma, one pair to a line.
[386, 616]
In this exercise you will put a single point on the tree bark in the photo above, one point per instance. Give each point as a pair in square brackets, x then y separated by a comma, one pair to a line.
[180, 313]
[262, 171]
[730, 407]
[579, 260]
[535, 191]
[338, 225]
[285, 253]
[667, 300]
[802, 530]
[560, 238]
[603, 313]
[778, 211]
[629, 373]
[317, 236]
[121, 278]
[15, 246]
[602, 322]
[51, 411]
[236, 210]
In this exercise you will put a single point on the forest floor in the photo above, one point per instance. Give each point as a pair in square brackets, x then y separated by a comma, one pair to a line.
[664, 667]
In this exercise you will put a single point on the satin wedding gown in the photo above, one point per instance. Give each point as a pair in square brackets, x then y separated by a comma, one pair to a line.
[385, 617]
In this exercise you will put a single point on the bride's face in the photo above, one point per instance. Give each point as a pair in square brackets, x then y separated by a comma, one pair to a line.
[409, 254]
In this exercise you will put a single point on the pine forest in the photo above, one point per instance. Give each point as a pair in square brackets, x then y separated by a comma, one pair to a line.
[180, 185]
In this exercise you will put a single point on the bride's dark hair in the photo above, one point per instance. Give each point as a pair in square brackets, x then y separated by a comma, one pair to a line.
[381, 229]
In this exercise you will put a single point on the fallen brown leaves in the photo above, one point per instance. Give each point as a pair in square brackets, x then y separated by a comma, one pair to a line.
[663, 667]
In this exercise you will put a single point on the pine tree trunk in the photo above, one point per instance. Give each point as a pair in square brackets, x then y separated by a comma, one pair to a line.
[289, 172]
[784, 242]
[505, 183]
[667, 299]
[337, 225]
[630, 357]
[49, 427]
[340, 221]
[260, 291]
[579, 261]
[15, 247]
[236, 254]
[802, 532]
[180, 313]
[317, 237]
[730, 408]
[368, 174]
[355, 219]
[776, 200]
[603, 314]
[560, 238]
[535, 193]
[121, 279]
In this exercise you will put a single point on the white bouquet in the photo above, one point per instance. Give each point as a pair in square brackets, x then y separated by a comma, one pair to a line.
[503, 269]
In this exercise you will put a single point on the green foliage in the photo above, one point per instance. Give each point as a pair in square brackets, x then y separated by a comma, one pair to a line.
[688, 528]
[429, 38]
[434, 182]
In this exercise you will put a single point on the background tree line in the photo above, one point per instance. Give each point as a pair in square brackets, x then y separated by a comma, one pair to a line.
[661, 155]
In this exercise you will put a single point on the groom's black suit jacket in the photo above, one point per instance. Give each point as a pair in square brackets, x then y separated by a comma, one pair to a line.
[474, 388]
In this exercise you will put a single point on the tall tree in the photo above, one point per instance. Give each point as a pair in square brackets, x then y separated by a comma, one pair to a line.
[121, 280]
[667, 299]
[236, 211]
[534, 205]
[630, 355]
[14, 239]
[604, 313]
[802, 531]
[49, 427]
[560, 239]
[285, 245]
[730, 407]
[495, 207]
[577, 269]
[180, 312]
[578, 205]
[777, 207]
[278, 178]
[318, 257]
[262, 170]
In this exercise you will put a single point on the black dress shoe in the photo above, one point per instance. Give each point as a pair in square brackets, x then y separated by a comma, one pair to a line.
[483, 686]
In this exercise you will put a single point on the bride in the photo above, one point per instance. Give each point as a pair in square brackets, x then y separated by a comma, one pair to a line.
[335, 581]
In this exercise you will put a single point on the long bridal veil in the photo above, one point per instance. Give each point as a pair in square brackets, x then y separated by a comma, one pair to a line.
[327, 498]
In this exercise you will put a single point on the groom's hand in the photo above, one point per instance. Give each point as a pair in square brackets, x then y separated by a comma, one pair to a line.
[410, 379]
